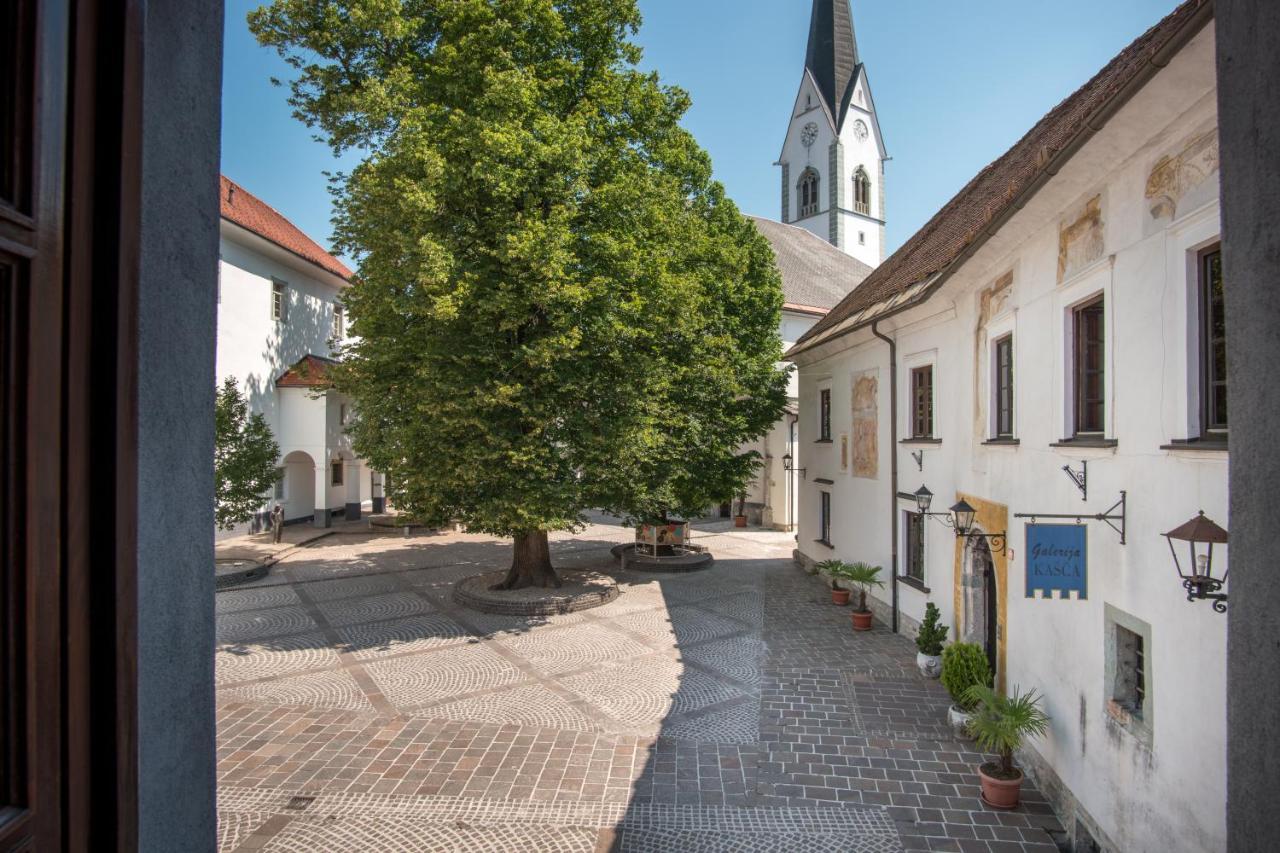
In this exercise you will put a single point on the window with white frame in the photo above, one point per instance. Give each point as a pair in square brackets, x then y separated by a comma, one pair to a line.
[1089, 361]
[1002, 387]
[807, 190]
[1213, 346]
[339, 323]
[279, 300]
[861, 191]
[922, 401]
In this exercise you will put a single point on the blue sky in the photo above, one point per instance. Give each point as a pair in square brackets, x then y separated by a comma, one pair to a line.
[955, 84]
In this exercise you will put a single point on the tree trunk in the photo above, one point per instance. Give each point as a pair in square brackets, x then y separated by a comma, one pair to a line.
[530, 563]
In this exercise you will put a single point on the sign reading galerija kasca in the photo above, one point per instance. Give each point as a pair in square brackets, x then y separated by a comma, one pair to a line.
[1057, 560]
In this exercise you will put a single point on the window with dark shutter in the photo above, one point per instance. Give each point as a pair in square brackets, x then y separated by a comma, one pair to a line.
[915, 545]
[824, 414]
[1213, 346]
[1004, 387]
[1090, 369]
[922, 402]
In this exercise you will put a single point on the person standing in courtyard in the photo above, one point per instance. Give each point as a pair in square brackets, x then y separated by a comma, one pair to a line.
[277, 523]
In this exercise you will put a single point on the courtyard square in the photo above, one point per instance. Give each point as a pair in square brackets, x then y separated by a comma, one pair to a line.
[360, 708]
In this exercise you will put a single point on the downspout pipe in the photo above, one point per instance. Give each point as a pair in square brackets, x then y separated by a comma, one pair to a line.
[893, 460]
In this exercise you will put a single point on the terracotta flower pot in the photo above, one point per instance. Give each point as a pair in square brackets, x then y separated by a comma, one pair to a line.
[739, 521]
[999, 793]
[862, 620]
[840, 596]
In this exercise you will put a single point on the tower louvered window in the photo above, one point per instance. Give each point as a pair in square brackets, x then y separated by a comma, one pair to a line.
[807, 190]
[862, 192]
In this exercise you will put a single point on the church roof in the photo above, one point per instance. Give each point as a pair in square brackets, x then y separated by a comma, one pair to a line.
[832, 57]
[253, 214]
[965, 223]
[815, 274]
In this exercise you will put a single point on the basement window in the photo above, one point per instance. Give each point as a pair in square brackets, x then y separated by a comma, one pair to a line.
[1128, 673]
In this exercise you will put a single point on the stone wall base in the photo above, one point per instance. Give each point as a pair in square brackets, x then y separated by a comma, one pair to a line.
[1082, 835]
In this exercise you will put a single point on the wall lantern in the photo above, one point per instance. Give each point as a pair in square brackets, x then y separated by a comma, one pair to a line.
[788, 462]
[960, 518]
[1200, 534]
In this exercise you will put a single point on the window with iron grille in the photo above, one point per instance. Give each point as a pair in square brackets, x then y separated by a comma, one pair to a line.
[824, 414]
[914, 524]
[1130, 688]
[1004, 387]
[824, 522]
[1090, 369]
[1213, 346]
[336, 467]
[922, 402]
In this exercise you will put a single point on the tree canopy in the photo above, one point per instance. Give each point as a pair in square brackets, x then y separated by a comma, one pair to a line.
[556, 307]
[244, 458]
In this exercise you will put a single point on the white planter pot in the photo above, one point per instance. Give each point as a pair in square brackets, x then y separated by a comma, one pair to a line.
[959, 721]
[930, 666]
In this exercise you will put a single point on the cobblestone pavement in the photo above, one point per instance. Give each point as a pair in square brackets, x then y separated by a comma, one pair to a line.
[731, 709]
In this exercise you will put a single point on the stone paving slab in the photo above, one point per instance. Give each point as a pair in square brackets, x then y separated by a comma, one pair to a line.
[732, 709]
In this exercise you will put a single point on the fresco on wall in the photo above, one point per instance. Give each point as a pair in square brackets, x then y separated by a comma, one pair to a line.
[866, 419]
[1081, 238]
[1175, 176]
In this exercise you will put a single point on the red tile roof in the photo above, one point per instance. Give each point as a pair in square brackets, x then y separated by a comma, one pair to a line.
[312, 371]
[252, 213]
[1002, 188]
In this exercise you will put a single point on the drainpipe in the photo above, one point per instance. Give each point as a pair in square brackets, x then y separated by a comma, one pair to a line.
[792, 525]
[893, 460]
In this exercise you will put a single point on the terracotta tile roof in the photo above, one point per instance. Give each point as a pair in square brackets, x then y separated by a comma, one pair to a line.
[252, 213]
[312, 371]
[815, 274]
[1003, 187]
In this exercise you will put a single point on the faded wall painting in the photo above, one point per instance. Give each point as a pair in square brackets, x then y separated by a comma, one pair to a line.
[866, 420]
[1176, 176]
[1081, 239]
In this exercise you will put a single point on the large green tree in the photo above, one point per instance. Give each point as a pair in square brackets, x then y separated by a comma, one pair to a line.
[556, 308]
[244, 457]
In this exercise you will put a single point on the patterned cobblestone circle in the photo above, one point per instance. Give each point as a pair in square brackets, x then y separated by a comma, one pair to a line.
[248, 626]
[335, 689]
[257, 598]
[249, 661]
[529, 705]
[578, 591]
[401, 636]
[412, 835]
[419, 679]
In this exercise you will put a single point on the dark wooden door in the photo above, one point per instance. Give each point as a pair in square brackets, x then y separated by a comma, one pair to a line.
[70, 97]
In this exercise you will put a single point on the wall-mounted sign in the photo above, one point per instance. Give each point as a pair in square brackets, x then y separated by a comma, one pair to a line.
[1057, 559]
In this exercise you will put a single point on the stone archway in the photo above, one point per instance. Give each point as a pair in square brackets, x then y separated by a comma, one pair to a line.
[981, 600]
[299, 486]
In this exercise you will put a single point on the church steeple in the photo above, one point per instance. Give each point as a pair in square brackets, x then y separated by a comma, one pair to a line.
[832, 57]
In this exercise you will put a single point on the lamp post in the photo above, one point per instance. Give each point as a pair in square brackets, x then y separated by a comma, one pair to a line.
[1200, 534]
[960, 518]
[788, 465]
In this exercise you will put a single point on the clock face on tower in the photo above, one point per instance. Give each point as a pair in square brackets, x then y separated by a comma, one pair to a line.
[860, 130]
[809, 134]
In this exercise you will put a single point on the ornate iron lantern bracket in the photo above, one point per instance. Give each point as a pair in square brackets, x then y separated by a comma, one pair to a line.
[1081, 479]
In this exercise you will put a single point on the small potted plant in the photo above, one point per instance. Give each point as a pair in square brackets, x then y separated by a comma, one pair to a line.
[835, 568]
[740, 520]
[864, 576]
[929, 640]
[963, 666]
[1000, 724]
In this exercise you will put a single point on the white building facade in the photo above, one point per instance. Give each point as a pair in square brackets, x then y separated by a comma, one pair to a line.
[1063, 311]
[280, 320]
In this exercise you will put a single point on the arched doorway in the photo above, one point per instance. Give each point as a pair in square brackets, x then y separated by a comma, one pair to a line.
[299, 486]
[981, 600]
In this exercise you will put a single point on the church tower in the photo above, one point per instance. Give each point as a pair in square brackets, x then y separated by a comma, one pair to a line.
[833, 157]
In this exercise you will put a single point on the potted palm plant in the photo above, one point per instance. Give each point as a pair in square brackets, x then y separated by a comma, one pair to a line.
[740, 520]
[963, 666]
[835, 569]
[864, 576]
[1000, 724]
[929, 640]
